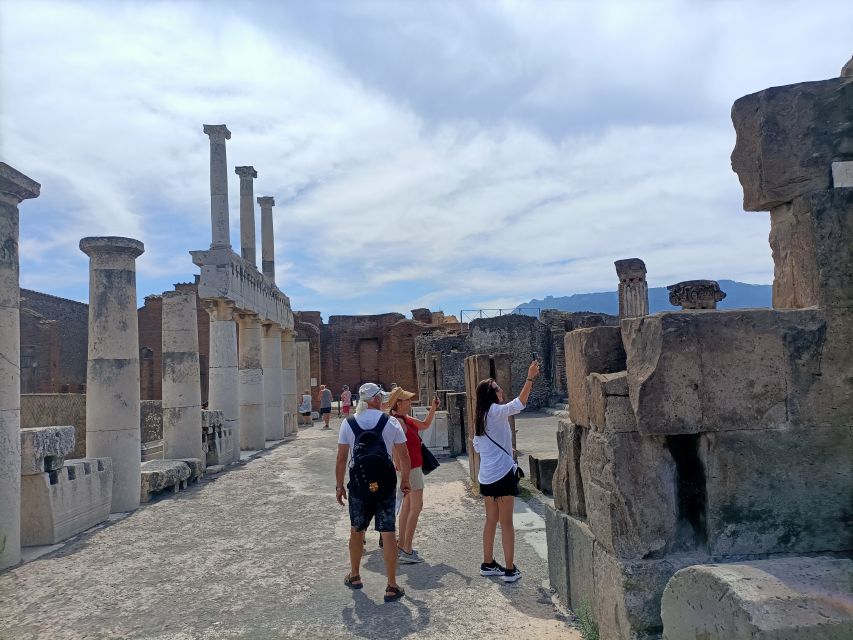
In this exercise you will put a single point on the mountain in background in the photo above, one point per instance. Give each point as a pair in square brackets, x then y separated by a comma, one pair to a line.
[739, 295]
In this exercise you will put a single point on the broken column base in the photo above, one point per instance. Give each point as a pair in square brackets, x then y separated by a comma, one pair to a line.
[779, 599]
[59, 504]
[160, 475]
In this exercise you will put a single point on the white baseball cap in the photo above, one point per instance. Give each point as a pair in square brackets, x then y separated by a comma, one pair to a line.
[369, 389]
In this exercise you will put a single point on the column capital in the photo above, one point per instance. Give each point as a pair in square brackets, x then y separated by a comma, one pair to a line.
[16, 186]
[217, 132]
[102, 245]
[219, 309]
[266, 201]
[246, 172]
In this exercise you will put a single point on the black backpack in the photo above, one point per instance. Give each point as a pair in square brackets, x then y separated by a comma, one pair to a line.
[371, 474]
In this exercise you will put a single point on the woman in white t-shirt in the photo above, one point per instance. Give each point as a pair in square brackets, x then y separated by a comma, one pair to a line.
[497, 475]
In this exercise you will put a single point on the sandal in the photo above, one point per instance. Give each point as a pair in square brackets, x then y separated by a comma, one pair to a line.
[396, 593]
[353, 581]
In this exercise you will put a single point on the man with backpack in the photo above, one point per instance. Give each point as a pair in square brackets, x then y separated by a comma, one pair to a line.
[372, 437]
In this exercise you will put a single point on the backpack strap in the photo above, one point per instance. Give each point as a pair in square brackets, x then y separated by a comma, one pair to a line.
[353, 424]
[380, 426]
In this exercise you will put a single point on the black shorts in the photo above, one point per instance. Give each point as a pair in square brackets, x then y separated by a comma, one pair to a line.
[506, 486]
[325, 410]
[362, 511]
[305, 413]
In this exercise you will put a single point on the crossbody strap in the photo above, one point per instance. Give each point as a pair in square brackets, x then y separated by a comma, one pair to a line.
[500, 447]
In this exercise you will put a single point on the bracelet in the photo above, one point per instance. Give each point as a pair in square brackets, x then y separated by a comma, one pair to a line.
[530, 379]
[339, 488]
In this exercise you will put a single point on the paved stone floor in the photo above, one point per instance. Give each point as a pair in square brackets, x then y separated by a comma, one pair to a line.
[260, 552]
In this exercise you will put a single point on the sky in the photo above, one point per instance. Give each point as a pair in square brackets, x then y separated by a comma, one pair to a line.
[450, 155]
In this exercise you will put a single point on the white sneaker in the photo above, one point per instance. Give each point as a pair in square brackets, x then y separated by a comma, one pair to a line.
[409, 558]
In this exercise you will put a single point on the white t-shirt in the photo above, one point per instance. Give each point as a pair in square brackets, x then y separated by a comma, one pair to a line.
[495, 463]
[393, 433]
[305, 407]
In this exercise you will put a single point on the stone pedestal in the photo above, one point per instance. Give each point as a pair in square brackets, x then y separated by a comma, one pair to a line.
[271, 364]
[633, 289]
[220, 234]
[112, 374]
[223, 378]
[251, 389]
[290, 395]
[14, 187]
[247, 213]
[181, 380]
[267, 237]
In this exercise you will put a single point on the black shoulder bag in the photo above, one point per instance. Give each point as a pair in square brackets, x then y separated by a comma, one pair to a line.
[430, 462]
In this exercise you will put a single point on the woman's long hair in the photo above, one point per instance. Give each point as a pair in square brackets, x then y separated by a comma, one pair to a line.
[487, 395]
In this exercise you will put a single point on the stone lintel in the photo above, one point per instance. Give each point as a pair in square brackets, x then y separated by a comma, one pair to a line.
[246, 172]
[99, 245]
[16, 185]
[217, 132]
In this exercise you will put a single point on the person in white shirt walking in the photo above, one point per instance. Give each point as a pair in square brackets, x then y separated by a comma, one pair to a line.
[498, 470]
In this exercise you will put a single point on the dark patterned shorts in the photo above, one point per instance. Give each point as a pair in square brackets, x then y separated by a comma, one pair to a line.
[362, 511]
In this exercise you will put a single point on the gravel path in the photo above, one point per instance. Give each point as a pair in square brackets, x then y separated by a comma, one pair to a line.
[260, 552]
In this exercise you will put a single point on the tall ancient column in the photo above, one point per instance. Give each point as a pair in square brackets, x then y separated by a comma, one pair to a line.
[224, 379]
[14, 188]
[267, 237]
[288, 381]
[633, 289]
[220, 234]
[181, 377]
[251, 391]
[112, 373]
[271, 363]
[247, 213]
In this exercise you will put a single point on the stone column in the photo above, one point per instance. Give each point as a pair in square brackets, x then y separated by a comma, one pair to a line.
[112, 373]
[251, 391]
[181, 377]
[220, 234]
[14, 187]
[633, 289]
[247, 213]
[288, 382]
[271, 363]
[223, 380]
[267, 237]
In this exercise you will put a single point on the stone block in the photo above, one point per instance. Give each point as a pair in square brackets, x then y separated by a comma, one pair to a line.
[542, 467]
[842, 174]
[567, 484]
[456, 416]
[151, 451]
[570, 558]
[779, 599]
[608, 401]
[787, 138]
[787, 491]
[158, 475]
[45, 448]
[150, 420]
[695, 371]
[630, 488]
[196, 468]
[59, 504]
[591, 350]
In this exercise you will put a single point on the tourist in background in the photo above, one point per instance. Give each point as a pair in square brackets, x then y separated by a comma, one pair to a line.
[498, 475]
[400, 405]
[305, 407]
[345, 404]
[325, 405]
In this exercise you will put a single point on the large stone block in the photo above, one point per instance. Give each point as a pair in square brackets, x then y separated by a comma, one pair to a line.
[456, 416]
[567, 484]
[695, 371]
[779, 599]
[59, 504]
[158, 475]
[608, 401]
[570, 558]
[787, 491]
[542, 467]
[630, 486]
[591, 350]
[788, 137]
[45, 448]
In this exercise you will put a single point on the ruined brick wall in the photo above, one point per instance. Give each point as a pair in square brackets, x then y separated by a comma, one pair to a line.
[307, 326]
[51, 409]
[72, 338]
[39, 353]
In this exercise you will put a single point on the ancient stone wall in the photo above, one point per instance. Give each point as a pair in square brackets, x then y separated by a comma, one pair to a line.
[451, 351]
[39, 353]
[71, 318]
[52, 409]
[307, 325]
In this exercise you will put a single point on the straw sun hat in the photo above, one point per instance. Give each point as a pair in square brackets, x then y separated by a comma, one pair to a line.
[398, 394]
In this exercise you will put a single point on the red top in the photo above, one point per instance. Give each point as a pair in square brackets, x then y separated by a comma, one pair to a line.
[413, 441]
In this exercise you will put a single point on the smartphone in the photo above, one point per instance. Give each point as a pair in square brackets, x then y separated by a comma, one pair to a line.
[435, 397]
[535, 356]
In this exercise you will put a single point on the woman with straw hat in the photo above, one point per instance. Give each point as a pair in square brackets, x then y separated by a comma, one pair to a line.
[399, 405]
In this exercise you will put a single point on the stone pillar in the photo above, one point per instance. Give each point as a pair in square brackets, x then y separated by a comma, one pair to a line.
[267, 237]
[181, 377]
[271, 364]
[112, 373]
[14, 187]
[633, 289]
[695, 294]
[220, 234]
[223, 378]
[251, 390]
[247, 213]
[291, 396]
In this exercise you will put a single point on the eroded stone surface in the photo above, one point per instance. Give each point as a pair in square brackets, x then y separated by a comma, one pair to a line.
[567, 484]
[591, 350]
[161, 474]
[45, 448]
[608, 402]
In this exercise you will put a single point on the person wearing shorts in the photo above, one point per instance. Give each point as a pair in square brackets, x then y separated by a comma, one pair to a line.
[346, 402]
[497, 474]
[305, 408]
[363, 510]
[325, 405]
